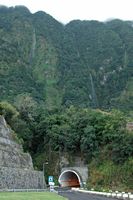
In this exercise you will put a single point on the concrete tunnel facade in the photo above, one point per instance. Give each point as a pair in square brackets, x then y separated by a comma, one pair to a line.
[70, 178]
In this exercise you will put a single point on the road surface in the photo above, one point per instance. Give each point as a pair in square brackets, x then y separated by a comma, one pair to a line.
[72, 195]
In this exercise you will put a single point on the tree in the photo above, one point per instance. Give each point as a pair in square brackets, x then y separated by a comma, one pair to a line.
[8, 111]
[26, 105]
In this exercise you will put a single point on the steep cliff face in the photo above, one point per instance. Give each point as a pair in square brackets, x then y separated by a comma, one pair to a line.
[16, 168]
[28, 56]
[84, 63]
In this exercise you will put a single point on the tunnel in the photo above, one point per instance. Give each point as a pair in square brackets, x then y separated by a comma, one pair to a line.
[69, 178]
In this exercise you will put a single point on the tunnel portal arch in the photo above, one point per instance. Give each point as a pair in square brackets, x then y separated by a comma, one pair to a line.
[70, 178]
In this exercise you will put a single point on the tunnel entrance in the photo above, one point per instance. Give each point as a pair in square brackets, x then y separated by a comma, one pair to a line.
[69, 178]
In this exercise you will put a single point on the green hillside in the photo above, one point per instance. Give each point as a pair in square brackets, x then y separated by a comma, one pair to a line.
[83, 63]
[63, 90]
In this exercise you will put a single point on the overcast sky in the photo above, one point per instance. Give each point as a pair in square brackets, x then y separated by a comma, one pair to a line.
[66, 10]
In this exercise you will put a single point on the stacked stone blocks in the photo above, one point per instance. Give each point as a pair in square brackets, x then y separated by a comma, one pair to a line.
[16, 168]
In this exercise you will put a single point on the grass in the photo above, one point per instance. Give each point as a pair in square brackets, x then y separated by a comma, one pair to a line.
[30, 196]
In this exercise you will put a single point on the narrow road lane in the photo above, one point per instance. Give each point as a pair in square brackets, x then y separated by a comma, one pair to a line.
[72, 195]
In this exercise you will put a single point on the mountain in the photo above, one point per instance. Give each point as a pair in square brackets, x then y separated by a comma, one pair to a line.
[83, 63]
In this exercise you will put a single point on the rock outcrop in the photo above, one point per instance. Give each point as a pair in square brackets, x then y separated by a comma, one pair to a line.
[16, 168]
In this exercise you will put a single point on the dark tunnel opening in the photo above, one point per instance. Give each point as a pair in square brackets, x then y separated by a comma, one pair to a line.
[69, 179]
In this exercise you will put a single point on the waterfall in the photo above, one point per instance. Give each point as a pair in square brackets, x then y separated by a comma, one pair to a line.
[33, 43]
[125, 59]
[93, 93]
[33, 47]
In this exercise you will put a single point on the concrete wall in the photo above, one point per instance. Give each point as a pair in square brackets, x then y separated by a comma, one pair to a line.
[15, 178]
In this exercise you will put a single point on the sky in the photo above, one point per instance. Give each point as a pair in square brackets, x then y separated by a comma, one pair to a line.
[67, 10]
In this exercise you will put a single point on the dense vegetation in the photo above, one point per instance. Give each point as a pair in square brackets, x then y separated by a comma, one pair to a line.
[83, 63]
[100, 138]
[54, 81]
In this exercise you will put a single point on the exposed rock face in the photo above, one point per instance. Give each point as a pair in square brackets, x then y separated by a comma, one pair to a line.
[11, 153]
[16, 168]
[16, 178]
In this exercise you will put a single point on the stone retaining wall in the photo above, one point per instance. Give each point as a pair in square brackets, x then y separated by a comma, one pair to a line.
[16, 178]
[16, 167]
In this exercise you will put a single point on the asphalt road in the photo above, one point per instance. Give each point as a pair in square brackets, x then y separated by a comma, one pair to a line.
[72, 195]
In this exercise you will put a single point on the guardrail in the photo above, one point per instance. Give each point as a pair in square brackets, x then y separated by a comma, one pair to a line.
[51, 189]
[24, 190]
[112, 194]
